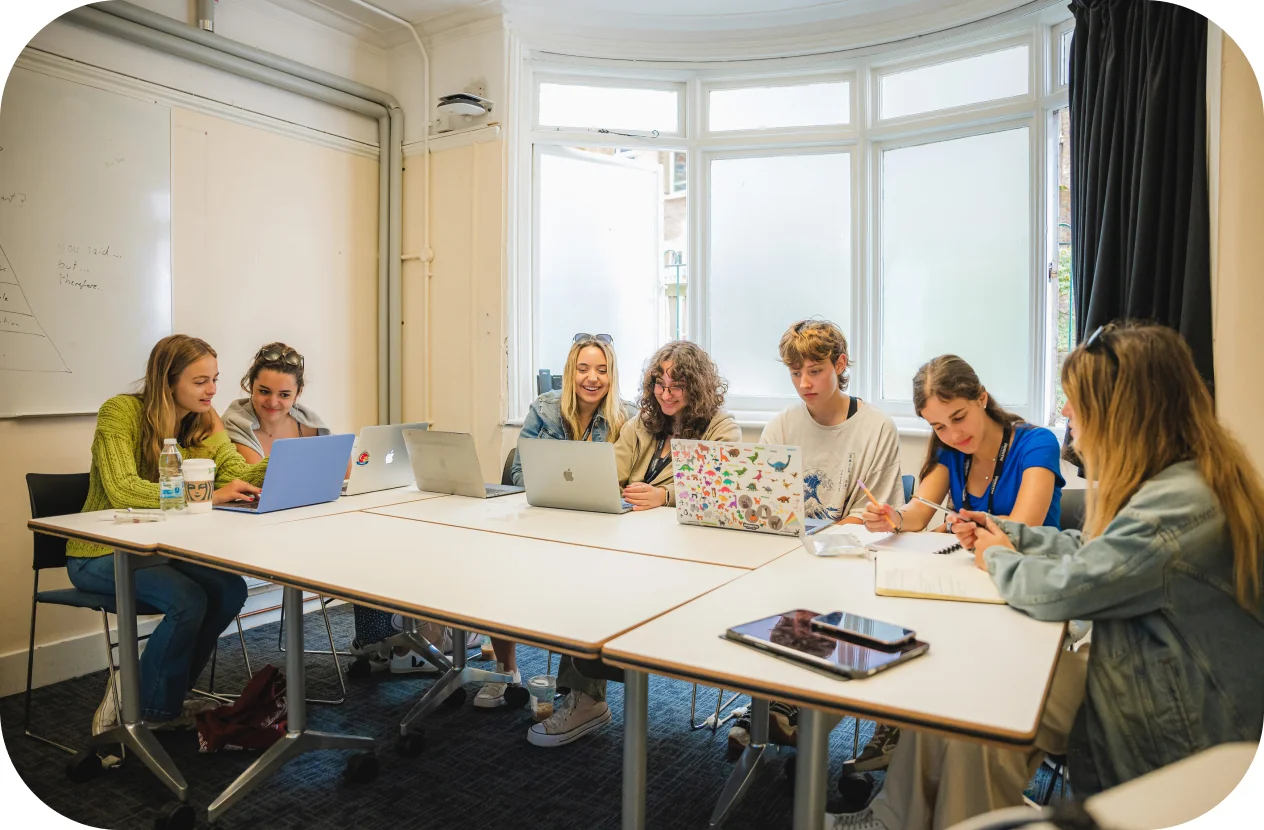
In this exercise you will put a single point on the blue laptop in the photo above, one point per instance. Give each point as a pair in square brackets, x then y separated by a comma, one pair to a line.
[301, 471]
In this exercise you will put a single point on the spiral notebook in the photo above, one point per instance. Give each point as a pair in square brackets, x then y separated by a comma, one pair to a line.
[954, 577]
[904, 542]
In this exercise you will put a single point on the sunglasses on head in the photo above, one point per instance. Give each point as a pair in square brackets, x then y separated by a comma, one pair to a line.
[1097, 342]
[289, 357]
[600, 338]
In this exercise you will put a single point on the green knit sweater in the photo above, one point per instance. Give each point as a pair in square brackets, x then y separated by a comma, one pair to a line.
[115, 482]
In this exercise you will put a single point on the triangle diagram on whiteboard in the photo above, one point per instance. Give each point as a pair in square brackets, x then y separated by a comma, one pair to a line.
[24, 346]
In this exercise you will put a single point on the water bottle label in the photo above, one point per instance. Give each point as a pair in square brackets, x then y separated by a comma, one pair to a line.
[172, 489]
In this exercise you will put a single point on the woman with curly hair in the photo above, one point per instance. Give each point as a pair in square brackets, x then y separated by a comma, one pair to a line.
[681, 396]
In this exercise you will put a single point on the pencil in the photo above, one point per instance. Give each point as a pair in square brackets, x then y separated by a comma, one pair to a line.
[875, 502]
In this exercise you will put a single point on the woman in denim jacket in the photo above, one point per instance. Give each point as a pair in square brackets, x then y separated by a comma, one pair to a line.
[1168, 570]
[587, 408]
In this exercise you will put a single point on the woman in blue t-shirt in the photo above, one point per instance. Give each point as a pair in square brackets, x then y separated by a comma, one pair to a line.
[985, 458]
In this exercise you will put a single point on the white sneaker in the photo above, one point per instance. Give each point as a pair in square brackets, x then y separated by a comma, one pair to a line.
[106, 716]
[578, 715]
[492, 695]
[410, 663]
[864, 820]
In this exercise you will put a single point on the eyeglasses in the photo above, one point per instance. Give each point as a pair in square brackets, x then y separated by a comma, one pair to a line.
[664, 389]
[289, 357]
[1097, 342]
[600, 338]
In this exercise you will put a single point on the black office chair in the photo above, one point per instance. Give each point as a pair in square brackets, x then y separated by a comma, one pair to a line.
[1073, 508]
[506, 473]
[58, 495]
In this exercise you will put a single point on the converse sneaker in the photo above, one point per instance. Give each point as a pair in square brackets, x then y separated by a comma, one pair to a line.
[410, 663]
[864, 820]
[492, 695]
[877, 753]
[578, 715]
[106, 716]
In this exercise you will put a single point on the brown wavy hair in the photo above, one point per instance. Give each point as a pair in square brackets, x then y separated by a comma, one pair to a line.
[259, 364]
[947, 378]
[704, 390]
[169, 357]
[1138, 416]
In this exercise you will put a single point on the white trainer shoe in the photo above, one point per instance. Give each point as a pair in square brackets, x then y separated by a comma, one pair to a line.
[106, 716]
[863, 820]
[492, 695]
[578, 715]
[410, 663]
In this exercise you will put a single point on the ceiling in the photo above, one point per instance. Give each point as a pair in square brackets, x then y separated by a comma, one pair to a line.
[674, 23]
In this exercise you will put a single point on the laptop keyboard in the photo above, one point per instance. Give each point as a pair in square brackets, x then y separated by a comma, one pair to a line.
[502, 489]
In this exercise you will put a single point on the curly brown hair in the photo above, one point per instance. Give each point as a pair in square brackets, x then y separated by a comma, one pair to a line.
[704, 390]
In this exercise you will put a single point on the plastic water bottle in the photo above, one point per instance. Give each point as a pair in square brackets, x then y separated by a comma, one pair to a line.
[170, 478]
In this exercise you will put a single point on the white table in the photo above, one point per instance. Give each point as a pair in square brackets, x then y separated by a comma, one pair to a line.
[650, 532]
[985, 677]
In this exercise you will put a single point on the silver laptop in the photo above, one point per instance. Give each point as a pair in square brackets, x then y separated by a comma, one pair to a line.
[379, 460]
[571, 475]
[445, 462]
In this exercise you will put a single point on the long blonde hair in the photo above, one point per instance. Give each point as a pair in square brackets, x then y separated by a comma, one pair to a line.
[169, 357]
[1139, 406]
[611, 407]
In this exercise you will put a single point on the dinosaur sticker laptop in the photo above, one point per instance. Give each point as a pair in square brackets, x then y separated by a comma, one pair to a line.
[756, 487]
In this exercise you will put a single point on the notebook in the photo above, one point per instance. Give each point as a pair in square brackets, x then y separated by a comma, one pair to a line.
[953, 577]
[903, 542]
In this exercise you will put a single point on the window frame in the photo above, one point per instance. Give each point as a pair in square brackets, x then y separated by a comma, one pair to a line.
[863, 138]
[612, 82]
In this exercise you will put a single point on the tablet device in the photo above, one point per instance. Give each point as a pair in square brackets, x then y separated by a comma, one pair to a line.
[791, 636]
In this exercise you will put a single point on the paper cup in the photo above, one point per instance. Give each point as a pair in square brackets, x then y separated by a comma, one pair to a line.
[199, 484]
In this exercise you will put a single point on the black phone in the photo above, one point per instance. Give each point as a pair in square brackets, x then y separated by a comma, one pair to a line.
[866, 630]
[790, 635]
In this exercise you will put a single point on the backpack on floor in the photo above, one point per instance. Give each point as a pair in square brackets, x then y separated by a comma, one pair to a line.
[256, 720]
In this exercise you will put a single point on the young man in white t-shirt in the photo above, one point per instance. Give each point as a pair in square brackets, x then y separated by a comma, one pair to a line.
[844, 440]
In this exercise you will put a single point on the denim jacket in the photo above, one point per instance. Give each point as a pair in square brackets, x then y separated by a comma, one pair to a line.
[544, 420]
[1176, 664]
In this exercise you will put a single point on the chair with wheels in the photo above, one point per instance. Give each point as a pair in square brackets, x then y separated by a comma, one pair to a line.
[58, 495]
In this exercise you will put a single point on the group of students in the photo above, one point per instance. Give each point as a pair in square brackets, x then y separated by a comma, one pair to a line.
[1167, 568]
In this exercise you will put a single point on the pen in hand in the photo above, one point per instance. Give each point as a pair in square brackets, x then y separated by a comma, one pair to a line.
[877, 505]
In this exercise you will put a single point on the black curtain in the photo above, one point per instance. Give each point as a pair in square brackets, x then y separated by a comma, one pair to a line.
[1139, 215]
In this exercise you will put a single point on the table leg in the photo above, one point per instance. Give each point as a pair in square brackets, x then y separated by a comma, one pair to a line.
[455, 673]
[747, 766]
[130, 731]
[636, 693]
[298, 739]
[811, 771]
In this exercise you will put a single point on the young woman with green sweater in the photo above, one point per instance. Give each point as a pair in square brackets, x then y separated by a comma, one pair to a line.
[197, 603]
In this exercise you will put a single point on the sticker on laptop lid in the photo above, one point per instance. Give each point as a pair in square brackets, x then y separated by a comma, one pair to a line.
[362, 459]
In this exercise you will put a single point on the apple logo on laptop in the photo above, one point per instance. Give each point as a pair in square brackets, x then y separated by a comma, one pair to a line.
[568, 475]
[390, 456]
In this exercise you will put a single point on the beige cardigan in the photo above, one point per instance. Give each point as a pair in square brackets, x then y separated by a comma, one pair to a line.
[635, 449]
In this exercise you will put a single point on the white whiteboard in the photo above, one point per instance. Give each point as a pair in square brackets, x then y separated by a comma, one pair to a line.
[85, 242]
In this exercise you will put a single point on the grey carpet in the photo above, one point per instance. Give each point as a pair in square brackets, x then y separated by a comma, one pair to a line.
[477, 769]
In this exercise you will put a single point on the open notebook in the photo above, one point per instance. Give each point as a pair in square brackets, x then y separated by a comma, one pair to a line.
[952, 577]
[904, 542]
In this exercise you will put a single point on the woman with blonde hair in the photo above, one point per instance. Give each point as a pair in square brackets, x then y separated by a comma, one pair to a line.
[682, 395]
[197, 602]
[1168, 569]
[586, 408]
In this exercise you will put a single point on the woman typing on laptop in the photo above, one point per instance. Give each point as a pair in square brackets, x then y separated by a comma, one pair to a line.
[681, 397]
[586, 408]
[197, 602]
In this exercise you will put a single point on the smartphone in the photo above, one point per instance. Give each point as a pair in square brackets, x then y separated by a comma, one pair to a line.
[790, 635]
[862, 629]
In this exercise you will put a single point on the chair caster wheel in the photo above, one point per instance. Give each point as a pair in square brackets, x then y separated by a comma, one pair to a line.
[410, 745]
[517, 696]
[176, 817]
[84, 766]
[855, 788]
[359, 668]
[455, 700]
[361, 768]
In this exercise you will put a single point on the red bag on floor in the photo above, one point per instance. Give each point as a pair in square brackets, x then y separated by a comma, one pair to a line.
[256, 720]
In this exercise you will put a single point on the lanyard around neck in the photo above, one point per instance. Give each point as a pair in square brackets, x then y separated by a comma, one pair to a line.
[996, 471]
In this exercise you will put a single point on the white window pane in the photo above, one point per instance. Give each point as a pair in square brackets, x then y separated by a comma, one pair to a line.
[598, 259]
[956, 261]
[770, 107]
[957, 83]
[1064, 57]
[616, 108]
[780, 251]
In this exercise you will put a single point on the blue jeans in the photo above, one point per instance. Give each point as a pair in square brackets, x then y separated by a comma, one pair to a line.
[197, 604]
